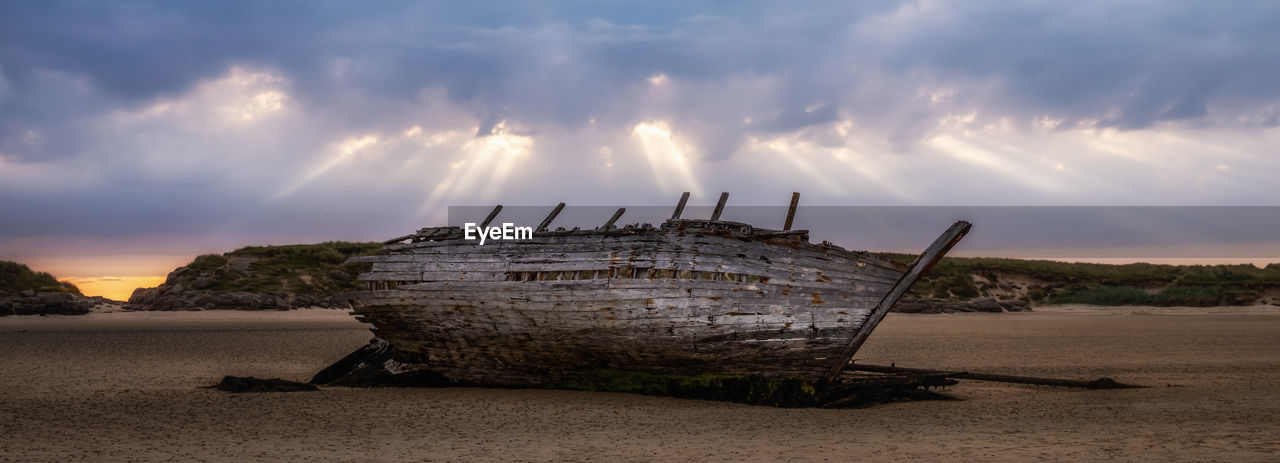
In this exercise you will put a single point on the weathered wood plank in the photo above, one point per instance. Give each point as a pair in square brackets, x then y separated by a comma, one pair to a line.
[552, 216]
[684, 198]
[791, 210]
[696, 296]
[926, 261]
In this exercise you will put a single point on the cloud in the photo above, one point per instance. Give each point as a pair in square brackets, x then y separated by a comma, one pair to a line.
[291, 119]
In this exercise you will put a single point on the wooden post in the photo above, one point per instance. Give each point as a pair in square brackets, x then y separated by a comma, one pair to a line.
[492, 215]
[791, 211]
[552, 216]
[927, 259]
[615, 217]
[715, 215]
[684, 198]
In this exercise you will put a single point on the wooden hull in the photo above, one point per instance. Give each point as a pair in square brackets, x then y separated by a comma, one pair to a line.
[556, 310]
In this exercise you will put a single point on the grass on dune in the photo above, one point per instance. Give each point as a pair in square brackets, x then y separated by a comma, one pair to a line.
[1102, 284]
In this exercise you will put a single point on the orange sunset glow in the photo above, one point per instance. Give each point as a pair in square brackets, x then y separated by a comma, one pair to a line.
[115, 288]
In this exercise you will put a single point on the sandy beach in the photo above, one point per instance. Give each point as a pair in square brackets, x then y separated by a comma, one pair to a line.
[125, 386]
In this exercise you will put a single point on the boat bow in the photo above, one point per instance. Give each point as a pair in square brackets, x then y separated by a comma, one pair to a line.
[926, 261]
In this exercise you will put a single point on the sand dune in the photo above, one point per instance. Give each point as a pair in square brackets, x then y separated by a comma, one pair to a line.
[124, 387]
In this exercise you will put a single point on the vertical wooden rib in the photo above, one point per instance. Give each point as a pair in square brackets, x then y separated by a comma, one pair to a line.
[552, 216]
[684, 198]
[615, 217]
[492, 215]
[791, 211]
[719, 206]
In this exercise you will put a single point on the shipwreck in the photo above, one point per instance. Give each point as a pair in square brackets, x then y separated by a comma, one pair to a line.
[690, 307]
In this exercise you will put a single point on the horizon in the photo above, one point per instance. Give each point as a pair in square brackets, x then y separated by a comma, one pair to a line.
[119, 288]
[137, 135]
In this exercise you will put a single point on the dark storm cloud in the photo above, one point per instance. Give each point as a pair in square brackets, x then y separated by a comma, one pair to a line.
[1151, 61]
[1129, 65]
[730, 72]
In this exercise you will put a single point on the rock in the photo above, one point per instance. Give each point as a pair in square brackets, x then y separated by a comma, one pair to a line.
[339, 301]
[303, 301]
[55, 298]
[255, 281]
[274, 301]
[174, 276]
[1015, 306]
[988, 305]
[909, 307]
[143, 296]
[210, 300]
[251, 384]
[28, 293]
[48, 304]
[244, 300]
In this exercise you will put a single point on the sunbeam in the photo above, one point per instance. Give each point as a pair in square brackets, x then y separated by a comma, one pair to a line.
[666, 158]
[344, 151]
[497, 154]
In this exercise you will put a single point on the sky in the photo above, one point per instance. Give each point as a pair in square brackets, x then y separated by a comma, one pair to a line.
[135, 135]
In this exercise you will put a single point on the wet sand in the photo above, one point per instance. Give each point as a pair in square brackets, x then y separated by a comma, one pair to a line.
[125, 387]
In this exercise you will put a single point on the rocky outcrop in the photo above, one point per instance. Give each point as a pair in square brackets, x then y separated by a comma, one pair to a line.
[27, 292]
[259, 278]
[30, 302]
[977, 305]
[180, 297]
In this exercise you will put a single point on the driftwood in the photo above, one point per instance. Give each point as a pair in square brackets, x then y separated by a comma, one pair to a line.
[1101, 383]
